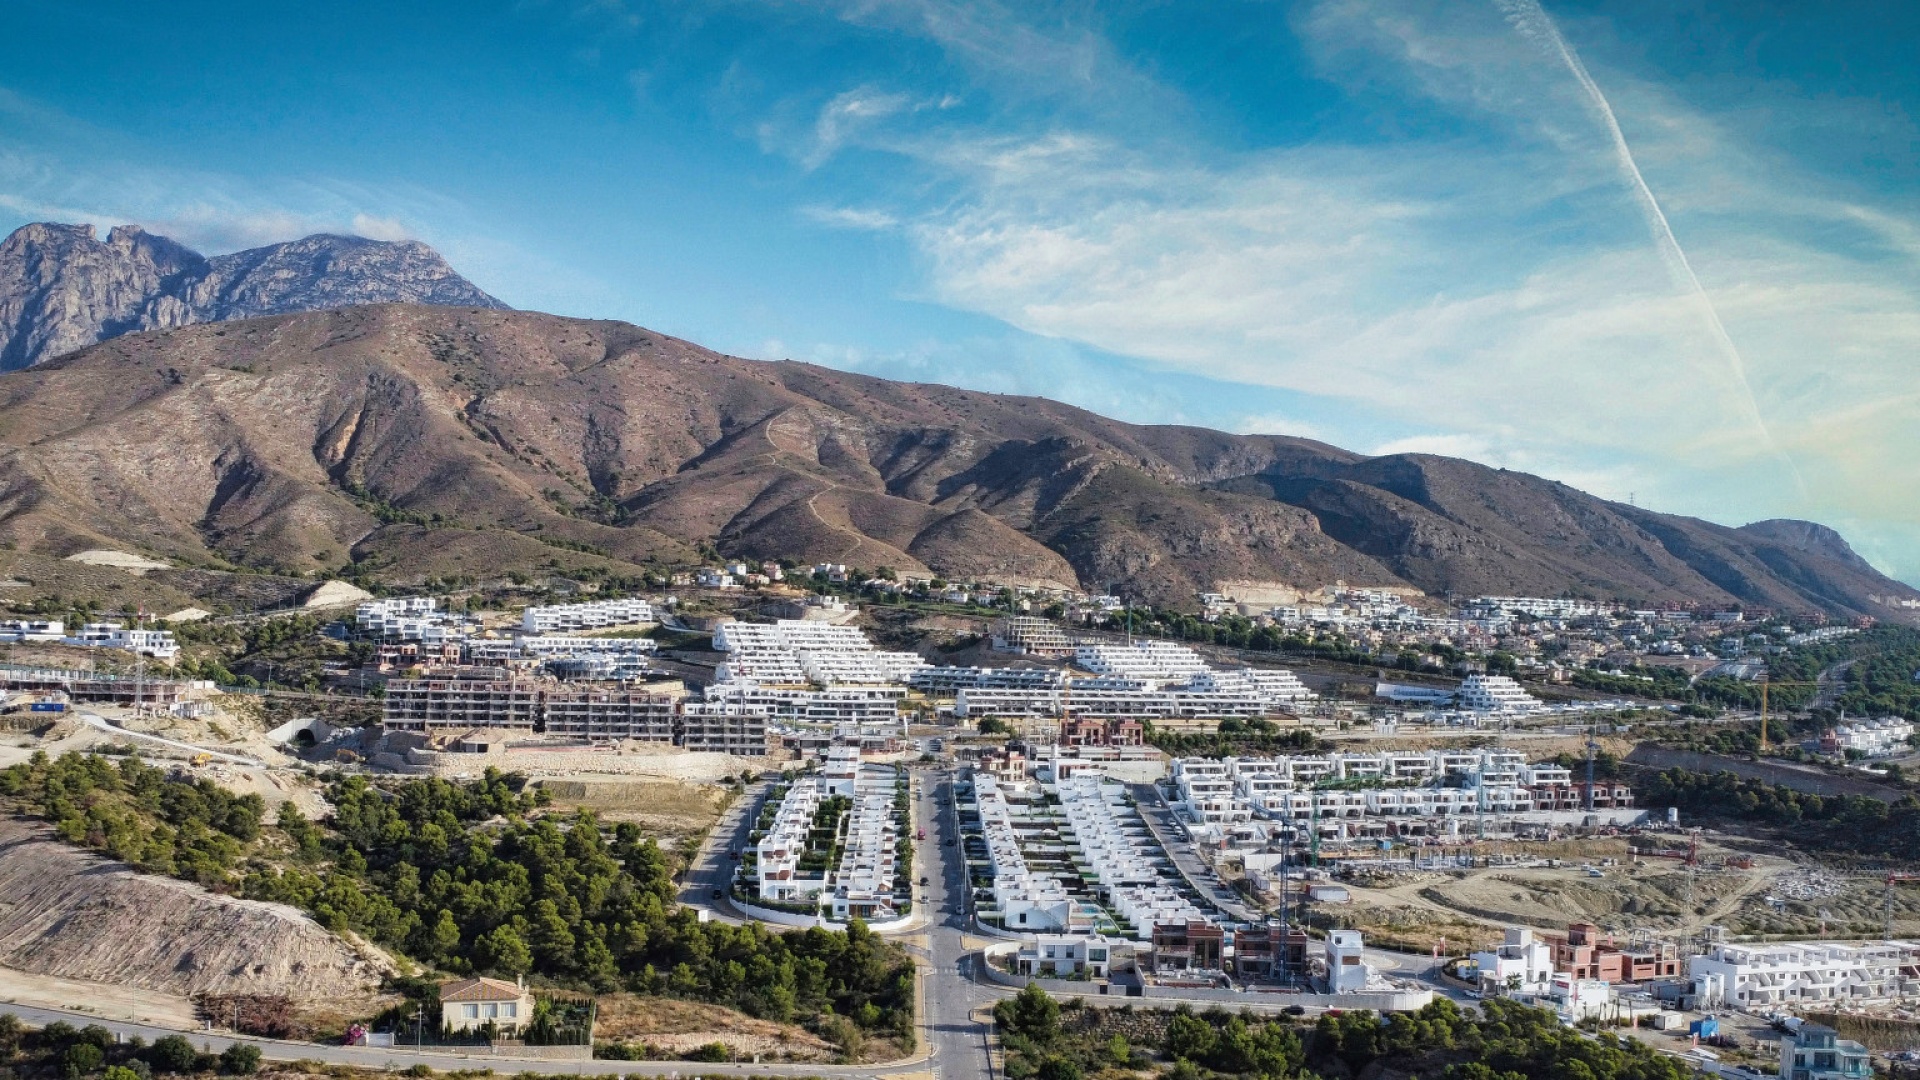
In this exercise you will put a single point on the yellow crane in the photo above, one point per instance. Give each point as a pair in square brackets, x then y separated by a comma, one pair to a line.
[1764, 683]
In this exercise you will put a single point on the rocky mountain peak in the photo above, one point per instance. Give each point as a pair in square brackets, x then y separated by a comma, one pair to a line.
[62, 288]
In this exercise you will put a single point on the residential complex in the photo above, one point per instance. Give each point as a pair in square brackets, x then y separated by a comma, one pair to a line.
[1038, 637]
[1393, 793]
[1817, 1052]
[571, 618]
[1789, 974]
[479, 698]
[851, 808]
[158, 644]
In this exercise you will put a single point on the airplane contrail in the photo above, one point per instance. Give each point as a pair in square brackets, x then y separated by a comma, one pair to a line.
[1532, 21]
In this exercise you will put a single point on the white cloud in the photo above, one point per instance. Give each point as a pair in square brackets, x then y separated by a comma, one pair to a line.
[1498, 289]
[849, 217]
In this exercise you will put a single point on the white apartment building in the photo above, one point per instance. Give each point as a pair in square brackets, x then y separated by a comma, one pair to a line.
[1494, 693]
[379, 617]
[785, 841]
[1871, 738]
[49, 630]
[568, 618]
[1336, 788]
[945, 681]
[1107, 701]
[847, 704]
[794, 652]
[1145, 659]
[1275, 687]
[871, 668]
[863, 882]
[1782, 974]
[560, 645]
[1347, 970]
[1113, 845]
[1027, 901]
[1519, 964]
[158, 644]
[1537, 606]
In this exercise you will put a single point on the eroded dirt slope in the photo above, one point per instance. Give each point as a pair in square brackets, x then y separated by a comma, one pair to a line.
[68, 913]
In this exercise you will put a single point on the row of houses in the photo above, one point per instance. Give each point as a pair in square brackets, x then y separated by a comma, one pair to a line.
[1411, 784]
[789, 870]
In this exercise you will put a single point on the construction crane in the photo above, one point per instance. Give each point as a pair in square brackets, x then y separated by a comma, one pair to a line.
[1591, 747]
[1894, 878]
[1764, 683]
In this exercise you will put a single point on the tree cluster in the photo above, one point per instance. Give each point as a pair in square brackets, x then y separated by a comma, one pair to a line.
[1506, 1041]
[182, 827]
[60, 1049]
[1855, 823]
[460, 876]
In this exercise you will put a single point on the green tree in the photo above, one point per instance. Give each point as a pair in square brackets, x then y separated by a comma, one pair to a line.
[172, 1054]
[240, 1059]
[503, 951]
[1032, 1014]
[1189, 1037]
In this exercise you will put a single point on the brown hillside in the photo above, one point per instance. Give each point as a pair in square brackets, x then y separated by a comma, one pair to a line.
[429, 440]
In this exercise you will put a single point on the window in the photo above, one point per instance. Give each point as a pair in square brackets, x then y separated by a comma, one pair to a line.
[470, 1012]
[491, 1010]
[510, 1009]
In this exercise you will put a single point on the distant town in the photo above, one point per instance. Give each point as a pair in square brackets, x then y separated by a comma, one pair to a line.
[1332, 800]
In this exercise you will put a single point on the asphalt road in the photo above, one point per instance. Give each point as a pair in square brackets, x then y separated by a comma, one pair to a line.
[400, 1057]
[958, 1043]
[713, 867]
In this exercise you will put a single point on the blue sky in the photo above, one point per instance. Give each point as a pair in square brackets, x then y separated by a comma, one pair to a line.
[1660, 250]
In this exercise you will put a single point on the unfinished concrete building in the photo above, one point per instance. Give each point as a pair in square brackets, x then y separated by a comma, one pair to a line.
[609, 714]
[430, 704]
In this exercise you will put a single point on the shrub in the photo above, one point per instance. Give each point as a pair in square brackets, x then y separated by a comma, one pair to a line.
[240, 1059]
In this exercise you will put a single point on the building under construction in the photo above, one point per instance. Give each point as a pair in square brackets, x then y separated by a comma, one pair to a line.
[569, 710]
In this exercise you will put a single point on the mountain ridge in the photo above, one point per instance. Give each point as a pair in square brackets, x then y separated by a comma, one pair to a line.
[62, 288]
[415, 442]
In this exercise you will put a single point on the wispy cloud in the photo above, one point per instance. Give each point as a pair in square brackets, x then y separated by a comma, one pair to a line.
[1418, 277]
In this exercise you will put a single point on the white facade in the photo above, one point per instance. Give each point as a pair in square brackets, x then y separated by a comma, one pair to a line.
[1273, 686]
[795, 652]
[1145, 659]
[1578, 999]
[564, 618]
[1494, 693]
[1065, 954]
[1027, 901]
[1779, 974]
[32, 630]
[778, 853]
[1874, 738]
[863, 882]
[1518, 965]
[1115, 847]
[1434, 783]
[945, 681]
[158, 644]
[1347, 971]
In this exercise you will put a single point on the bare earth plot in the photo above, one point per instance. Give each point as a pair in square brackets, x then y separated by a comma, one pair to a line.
[73, 915]
[680, 1026]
